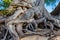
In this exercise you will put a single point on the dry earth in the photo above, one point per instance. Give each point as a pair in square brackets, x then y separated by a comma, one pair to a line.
[36, 37]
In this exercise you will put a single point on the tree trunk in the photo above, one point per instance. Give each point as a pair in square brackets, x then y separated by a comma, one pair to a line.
[30, 17]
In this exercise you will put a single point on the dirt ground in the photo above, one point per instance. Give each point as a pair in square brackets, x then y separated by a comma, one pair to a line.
[36, 37]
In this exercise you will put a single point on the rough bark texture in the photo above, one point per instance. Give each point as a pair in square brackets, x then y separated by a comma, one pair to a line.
[29, 18]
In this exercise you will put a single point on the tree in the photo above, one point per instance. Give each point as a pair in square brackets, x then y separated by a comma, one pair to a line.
[29, 17]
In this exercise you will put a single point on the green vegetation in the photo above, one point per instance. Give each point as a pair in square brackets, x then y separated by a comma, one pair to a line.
[6, 4]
